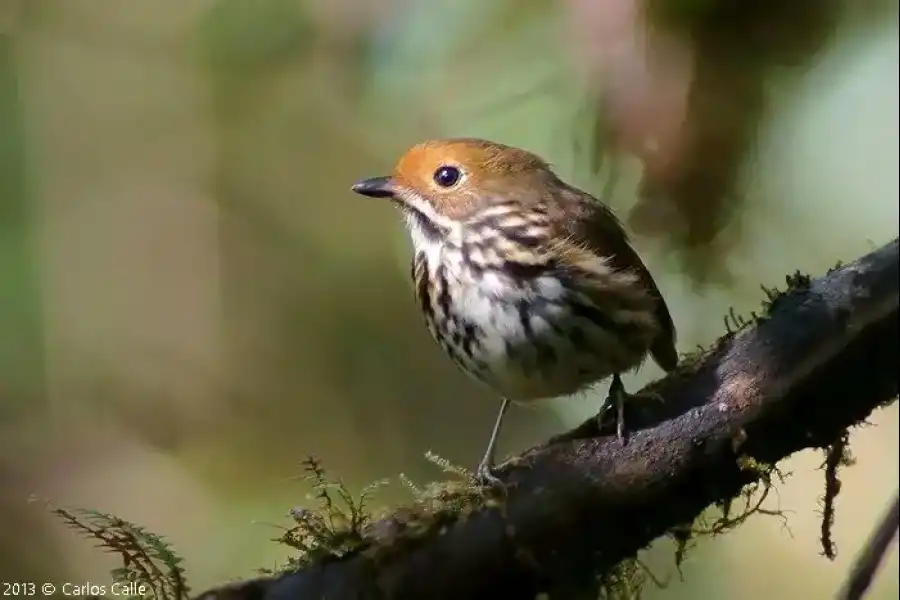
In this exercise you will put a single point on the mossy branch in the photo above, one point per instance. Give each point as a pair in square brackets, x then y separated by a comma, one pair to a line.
[819, 360]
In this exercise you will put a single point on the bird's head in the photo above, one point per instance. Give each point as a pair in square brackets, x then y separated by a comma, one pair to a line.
[441, 183]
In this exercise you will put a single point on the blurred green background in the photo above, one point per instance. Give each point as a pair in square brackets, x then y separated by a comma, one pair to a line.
[191, 300]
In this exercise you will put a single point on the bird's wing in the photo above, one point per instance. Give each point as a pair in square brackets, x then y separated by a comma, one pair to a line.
[592, 224]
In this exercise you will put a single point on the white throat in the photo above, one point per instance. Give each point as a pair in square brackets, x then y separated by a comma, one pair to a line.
[428, 229]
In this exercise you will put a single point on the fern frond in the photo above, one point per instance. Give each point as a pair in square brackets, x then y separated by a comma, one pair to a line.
[147, 558]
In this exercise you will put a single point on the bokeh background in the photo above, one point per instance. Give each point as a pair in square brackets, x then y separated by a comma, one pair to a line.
[191, 301]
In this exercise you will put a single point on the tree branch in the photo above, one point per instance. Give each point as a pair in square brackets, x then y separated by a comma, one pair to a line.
[870, 558]
[822, 359]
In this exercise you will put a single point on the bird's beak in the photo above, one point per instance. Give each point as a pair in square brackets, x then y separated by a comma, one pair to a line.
[375, 187]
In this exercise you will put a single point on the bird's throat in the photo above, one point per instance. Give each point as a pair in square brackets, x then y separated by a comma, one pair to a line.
[423, 226]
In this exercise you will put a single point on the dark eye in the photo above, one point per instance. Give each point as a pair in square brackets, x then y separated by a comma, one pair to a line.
[446, 176]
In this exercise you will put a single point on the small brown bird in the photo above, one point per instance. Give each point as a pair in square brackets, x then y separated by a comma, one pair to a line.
[529, 284]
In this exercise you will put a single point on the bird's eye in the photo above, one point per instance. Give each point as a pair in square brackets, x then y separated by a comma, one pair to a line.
[446, 176]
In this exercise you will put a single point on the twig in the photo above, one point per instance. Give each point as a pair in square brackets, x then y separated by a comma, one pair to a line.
[876, 548]
[821, 360]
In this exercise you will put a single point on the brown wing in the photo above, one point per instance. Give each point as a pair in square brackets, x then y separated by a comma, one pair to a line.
[591, 222]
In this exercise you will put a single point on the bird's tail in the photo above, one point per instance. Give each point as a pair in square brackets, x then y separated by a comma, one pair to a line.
[664, 352]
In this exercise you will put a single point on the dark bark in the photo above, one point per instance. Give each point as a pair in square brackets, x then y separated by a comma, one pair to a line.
[822, 358]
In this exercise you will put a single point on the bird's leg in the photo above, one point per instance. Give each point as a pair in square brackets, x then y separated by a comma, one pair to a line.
[484, 472]
[617, 397]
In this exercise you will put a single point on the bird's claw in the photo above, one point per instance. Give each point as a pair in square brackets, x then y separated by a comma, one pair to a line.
[484, 476]
[616, 399]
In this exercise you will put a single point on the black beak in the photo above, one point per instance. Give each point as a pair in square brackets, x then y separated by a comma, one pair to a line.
[374, 187]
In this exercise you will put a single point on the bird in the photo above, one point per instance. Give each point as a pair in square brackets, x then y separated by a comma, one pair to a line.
[529, 284]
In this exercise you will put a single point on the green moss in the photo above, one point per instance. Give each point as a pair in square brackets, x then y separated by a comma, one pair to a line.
[625, 581]
[735, 323]
[435, 506]
[340, 523]
[336, 526]
[796, 282]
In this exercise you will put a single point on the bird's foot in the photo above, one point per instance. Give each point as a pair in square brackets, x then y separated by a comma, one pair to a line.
[648, 395]
[617, 398]
[484, 476]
